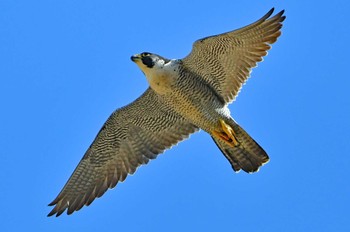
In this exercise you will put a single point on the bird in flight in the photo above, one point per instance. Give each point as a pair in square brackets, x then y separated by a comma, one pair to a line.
[184, 95]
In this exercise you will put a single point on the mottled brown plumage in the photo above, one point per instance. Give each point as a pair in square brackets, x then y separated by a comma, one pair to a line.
[225, 60]
[184, 96]
[130, 137]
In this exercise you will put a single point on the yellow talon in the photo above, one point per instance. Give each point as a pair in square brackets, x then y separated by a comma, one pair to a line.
[227, 134]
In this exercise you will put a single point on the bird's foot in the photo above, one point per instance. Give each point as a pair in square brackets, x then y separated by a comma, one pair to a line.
[227, 134]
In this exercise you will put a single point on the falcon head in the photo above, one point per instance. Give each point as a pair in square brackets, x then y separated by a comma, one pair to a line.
[157, 69]
[148, 60]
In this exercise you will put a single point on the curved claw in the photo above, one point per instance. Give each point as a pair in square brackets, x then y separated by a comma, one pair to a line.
[227, 134]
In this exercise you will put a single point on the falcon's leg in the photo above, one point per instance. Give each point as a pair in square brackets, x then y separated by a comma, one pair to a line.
[227, 134]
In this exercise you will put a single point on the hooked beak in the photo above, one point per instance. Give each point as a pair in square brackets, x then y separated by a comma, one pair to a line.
[135, 57]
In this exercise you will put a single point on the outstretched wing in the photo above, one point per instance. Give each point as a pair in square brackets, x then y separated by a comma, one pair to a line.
[225, 61]
[130, 137]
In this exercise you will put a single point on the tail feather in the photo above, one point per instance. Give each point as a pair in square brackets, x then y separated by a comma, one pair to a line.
[248, 155]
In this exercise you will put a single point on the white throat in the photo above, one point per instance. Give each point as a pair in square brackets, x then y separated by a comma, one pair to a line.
[162, 75]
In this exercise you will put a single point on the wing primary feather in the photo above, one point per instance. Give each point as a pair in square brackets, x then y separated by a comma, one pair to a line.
[233, 54]
[143, 129]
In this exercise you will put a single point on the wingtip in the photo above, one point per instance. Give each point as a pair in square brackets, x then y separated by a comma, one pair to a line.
[52, 203]
[269, 13]
[55, 212]
[280, 15]
[58, 208]
[51, 213]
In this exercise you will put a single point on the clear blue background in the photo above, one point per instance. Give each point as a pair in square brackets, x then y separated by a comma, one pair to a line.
[65, 66]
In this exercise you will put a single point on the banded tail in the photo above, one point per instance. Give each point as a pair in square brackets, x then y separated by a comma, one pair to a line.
[246, 154]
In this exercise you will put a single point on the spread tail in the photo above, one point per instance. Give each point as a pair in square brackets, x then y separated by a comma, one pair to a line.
[246, 154]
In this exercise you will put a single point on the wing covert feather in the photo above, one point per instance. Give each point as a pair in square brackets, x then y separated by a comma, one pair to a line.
[225, 60]
[131, 136]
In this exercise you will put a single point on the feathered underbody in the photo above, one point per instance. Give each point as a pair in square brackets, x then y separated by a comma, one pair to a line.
[185, 95]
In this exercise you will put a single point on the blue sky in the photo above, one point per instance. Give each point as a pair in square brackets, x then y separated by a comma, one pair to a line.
[65, 67]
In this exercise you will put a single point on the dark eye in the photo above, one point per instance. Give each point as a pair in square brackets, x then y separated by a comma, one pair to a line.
[144, 54]
[148, 61]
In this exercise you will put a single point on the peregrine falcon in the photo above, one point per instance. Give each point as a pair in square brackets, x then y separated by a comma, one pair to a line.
[184, 95]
